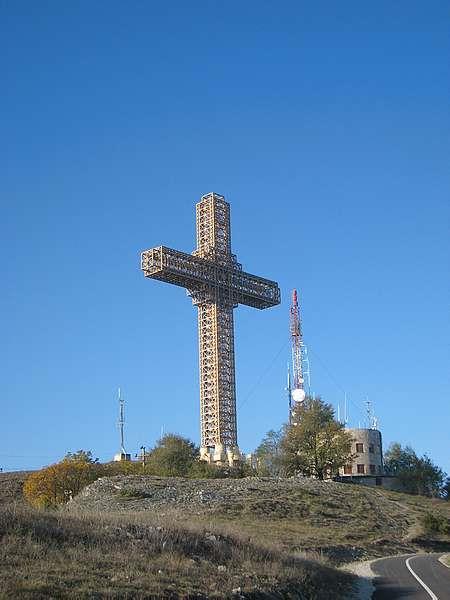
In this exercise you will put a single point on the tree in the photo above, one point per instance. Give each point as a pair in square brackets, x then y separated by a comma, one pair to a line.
[172, 456]
[80, 456]
[315, 443]
[446, 489]
[58, 483]
[268, 454]
[418, 475]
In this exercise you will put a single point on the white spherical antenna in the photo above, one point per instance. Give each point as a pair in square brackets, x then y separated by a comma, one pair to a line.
[298, 395]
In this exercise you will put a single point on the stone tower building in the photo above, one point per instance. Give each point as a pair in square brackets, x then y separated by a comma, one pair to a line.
[367, 446]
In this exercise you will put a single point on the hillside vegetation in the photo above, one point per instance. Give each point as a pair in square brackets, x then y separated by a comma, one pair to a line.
[340, 521]
[152, 537]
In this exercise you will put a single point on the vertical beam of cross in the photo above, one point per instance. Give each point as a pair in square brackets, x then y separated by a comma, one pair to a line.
[215, 327]
[215, 281]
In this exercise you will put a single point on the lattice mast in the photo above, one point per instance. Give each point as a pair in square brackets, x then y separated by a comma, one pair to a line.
[121, 423]
[217, 284]
[300, 362]
[215, 326]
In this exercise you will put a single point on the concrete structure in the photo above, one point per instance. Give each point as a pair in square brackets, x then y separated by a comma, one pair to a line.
[367, 467]
[122, 456]
[217, 284]
[368, 447]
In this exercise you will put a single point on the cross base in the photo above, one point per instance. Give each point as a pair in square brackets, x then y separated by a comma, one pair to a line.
[221, 457]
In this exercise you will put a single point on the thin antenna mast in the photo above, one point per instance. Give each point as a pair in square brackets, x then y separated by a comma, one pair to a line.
[121, 423]
[368, 412]
[289, 391]
[372, 421]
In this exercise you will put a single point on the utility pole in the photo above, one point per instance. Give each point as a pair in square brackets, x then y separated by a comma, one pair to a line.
[143, 456]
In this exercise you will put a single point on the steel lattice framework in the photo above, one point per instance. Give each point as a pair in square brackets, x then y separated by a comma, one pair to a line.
[217, 284]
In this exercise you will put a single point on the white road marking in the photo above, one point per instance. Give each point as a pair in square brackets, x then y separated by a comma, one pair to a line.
[422, 583]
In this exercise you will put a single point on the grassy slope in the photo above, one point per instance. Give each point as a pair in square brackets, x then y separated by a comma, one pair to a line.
[340, 521]
[143, 555]
[119, 541]
[345, 524]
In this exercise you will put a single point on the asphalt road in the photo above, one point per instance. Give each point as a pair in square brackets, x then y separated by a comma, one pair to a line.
[395, 581]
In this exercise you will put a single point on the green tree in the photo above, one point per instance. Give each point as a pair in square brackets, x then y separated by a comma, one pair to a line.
[81, 456]
[446, 489]
[172, 456]
[418, 475]
[315, 444]
[268, 454]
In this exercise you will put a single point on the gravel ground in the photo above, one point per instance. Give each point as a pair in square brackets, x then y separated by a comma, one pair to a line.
[364, 587]
[195, 495]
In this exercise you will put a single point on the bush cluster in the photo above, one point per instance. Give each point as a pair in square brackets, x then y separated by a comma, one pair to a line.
[434, 522]
[58, 483]
[172, 456]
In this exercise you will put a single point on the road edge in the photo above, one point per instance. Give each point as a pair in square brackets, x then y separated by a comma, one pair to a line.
[363, 588]
[441, 560]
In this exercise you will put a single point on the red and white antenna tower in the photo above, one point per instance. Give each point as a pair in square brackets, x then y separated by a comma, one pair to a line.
[300, 362]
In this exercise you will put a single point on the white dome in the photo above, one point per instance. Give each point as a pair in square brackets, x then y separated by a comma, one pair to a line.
[298, 395]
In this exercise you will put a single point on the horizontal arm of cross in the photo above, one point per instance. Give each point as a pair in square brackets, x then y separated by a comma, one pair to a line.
[194, 273]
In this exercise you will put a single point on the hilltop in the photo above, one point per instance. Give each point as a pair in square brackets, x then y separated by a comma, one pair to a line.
[152, 537]
[340, 521]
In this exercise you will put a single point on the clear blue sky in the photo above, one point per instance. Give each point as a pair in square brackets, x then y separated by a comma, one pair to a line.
[325, 124]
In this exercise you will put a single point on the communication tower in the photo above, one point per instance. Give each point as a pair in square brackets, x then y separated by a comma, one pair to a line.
[301, 380]
[120, 423]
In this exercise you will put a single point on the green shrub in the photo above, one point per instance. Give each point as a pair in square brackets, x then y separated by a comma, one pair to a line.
[435, 523]
[173, 456]
[123, 468]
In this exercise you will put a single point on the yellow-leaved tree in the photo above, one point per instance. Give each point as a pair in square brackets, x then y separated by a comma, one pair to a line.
[58, 483]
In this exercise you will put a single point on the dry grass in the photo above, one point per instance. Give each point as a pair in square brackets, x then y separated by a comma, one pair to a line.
[44, 554]
[340, 521]
[11, 486]
[274, 539]
[343, 522]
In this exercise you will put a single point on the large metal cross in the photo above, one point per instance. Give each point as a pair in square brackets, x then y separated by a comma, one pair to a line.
[217, 284]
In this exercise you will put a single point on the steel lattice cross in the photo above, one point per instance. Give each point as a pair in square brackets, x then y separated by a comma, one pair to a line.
[217, 284]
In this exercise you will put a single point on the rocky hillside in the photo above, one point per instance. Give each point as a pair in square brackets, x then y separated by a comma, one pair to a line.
[341, 521]
[152, 537]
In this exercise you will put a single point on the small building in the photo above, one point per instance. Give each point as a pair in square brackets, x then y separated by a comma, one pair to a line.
[122, 456]
[368, 447]
[367, 467]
